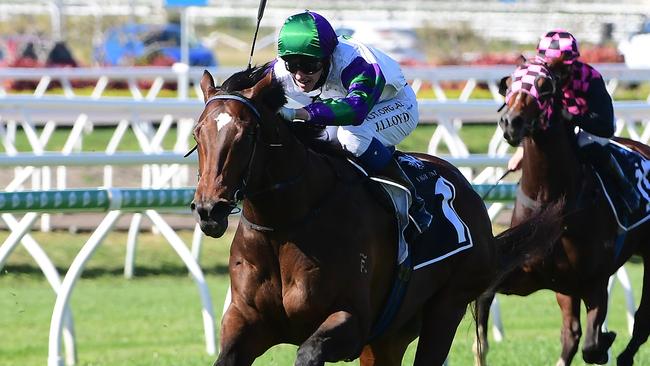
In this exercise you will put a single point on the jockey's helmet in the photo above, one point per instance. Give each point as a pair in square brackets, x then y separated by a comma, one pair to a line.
[307, 34]
[558, 44]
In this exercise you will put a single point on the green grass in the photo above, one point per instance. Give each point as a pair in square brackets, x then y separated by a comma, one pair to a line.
[155, 317]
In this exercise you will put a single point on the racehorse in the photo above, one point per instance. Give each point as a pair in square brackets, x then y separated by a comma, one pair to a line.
[314, 255]
[581, 262]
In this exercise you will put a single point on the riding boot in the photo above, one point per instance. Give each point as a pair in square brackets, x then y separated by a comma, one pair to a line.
[605, 163]
[418, 212]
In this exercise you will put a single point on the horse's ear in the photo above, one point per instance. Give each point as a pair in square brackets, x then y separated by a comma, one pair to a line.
[504, 84]
[268, 91]
[546, 86]
[520, 60]
[254, 91]
[207, 85]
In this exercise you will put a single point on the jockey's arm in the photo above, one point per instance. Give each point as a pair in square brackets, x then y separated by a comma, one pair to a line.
[364, 82]
[599, 118]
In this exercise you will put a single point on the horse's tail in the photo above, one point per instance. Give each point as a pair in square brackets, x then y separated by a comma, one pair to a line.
[532, 239]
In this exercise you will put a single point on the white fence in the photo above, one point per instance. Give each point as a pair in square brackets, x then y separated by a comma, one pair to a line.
[152, 118]
[156, 77]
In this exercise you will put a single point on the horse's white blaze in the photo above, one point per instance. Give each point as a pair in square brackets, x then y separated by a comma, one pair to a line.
[222, 120]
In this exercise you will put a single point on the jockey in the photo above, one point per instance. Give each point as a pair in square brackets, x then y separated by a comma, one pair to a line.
[341, 82]
[586, 104]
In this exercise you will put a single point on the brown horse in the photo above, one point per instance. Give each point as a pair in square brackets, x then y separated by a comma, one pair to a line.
[314, 255]
[581, 262]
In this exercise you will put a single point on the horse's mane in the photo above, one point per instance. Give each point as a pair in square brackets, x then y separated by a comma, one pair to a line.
[274, 97]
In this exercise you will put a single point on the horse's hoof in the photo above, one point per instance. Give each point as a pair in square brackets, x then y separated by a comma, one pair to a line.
[607, 340]
[599, 355]
[598, 358]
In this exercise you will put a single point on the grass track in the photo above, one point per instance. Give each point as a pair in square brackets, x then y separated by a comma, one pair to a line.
[155, 318]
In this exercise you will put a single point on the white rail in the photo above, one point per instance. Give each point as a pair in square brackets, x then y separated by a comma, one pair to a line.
[151, 121]
[145, 83]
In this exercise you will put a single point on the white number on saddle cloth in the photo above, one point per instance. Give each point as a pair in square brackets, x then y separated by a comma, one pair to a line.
[642, 183]
[448, 192]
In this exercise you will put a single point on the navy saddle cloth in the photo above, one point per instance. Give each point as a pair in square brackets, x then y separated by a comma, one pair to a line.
[447, 234]
[637, 169]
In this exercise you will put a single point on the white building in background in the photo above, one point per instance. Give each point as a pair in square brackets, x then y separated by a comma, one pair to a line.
[518, 20]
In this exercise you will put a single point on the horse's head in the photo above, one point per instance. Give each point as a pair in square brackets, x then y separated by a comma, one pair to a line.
[529, 93]
[228, 135]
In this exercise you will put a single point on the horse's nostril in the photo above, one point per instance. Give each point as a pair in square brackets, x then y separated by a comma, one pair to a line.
[202, 210]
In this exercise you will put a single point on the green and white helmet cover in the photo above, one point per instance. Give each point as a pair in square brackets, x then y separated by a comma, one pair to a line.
[307, 34]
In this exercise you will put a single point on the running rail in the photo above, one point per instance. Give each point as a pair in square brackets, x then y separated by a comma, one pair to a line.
[115, 202]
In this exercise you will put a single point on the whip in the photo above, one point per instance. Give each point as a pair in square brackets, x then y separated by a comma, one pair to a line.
[260, 14]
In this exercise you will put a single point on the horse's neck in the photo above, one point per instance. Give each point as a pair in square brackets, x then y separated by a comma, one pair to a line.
[550, 168]
[292, 184]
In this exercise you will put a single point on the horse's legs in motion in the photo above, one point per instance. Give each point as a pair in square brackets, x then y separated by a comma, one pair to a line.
[389, 351]
[441, 316]
[597, 343]
[241, 340]
[641, 320]
[481, 345]
[571, 330]
[337, 338]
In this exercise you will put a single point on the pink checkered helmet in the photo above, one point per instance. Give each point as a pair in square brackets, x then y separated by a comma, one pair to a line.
[557, 43]
[524, 81]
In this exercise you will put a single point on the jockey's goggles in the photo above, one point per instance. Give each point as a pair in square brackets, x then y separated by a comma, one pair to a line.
[307, 65]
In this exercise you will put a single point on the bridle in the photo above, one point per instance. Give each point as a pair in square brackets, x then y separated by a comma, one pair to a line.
[243, 191]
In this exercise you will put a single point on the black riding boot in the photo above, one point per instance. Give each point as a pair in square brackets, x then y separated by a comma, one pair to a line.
[605, 163]
[417, 211]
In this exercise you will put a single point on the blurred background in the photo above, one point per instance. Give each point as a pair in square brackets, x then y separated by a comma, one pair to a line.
[432, 32]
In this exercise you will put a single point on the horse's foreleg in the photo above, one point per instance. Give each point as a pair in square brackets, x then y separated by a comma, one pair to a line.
[481, 346]
[241, 339]
[597, 343]
[641, 320]
[337, 338]
[571, 329]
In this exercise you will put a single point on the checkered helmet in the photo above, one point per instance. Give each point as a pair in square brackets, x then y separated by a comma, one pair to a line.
[558, 43]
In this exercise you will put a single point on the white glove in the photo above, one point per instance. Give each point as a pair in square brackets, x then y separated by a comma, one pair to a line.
[287, 113]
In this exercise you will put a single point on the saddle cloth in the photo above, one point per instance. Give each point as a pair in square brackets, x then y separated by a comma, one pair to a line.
[447, 235]
[637, 169]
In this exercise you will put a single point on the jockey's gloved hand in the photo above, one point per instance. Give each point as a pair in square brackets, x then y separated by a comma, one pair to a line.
[288, 114]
